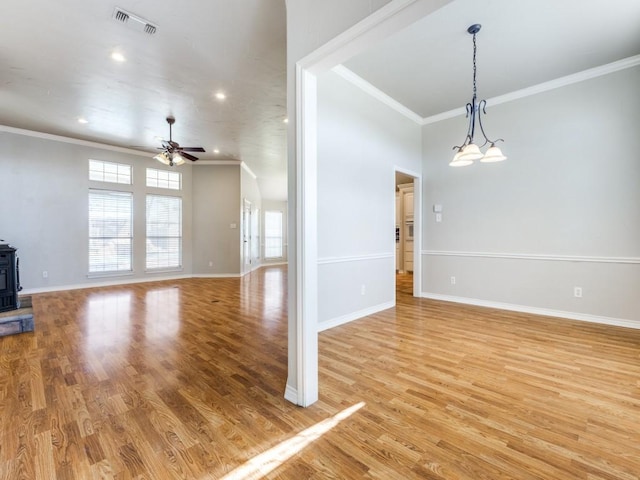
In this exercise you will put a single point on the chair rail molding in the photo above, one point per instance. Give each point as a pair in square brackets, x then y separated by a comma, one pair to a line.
[534, 256]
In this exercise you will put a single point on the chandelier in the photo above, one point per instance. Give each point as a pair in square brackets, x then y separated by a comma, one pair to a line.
[469, 151]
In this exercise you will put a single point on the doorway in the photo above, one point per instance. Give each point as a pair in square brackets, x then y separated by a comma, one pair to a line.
[407, 233]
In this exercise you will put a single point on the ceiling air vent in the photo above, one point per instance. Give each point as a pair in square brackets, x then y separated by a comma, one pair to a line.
[134, 21]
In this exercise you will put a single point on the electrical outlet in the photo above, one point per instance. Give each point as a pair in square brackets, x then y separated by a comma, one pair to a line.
[211, 264]
[453, 280]
[45, 274]
[363, 289]
[577, 292]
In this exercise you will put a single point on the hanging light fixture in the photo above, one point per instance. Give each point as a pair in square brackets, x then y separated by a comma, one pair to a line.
[170, 158]
[468, 152]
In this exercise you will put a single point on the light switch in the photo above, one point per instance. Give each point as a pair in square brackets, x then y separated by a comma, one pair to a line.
[438, 217]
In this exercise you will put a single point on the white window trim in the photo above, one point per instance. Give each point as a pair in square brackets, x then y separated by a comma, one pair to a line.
[117, 164]
[169, 268]
[111, 273]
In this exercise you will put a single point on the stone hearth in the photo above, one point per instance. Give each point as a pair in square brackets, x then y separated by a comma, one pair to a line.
[19, 320]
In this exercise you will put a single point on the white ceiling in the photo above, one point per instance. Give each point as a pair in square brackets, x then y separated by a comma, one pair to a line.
[56, 67]
[428, 66]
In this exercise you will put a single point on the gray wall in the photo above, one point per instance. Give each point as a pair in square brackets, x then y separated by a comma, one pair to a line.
[216, 195]
[360, 140]
[45, 183]
[570, 188]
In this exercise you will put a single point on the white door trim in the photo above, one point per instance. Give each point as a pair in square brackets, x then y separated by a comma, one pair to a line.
[417, 227]
[382, 23]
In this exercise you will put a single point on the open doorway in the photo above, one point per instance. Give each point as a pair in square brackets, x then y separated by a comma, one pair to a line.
[407, 220]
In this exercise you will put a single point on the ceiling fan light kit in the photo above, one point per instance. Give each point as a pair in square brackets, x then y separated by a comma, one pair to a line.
[173, 154]
[170, 159]
[469, 152]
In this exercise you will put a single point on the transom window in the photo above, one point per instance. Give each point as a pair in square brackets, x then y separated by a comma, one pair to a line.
[101, 171]
[164, 179]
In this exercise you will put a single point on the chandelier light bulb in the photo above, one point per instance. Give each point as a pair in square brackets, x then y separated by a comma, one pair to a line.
[459, 162]
[494, 154]
[471, 152]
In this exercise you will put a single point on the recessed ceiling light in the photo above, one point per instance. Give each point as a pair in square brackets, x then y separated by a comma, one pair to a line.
[286, 120]
[82, 120]
[118, 57]
[220, 96]
[215, 150]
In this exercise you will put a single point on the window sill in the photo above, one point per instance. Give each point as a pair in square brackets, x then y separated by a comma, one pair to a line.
[110, 274]
[164, 270]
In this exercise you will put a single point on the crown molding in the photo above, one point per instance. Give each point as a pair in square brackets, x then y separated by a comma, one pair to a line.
[103, 146]
[378, 94]
[73, 141]
[588, 74]
[248, 170]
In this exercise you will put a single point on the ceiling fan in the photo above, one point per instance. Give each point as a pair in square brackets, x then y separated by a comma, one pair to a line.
[172, 153]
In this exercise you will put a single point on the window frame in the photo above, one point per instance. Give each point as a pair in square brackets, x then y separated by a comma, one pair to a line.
[155, 267]
[268, 237]
[169, 182]
[116, 241]
[125, 175]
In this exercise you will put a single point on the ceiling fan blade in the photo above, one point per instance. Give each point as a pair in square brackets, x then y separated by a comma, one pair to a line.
[192, 149]
[189, 157]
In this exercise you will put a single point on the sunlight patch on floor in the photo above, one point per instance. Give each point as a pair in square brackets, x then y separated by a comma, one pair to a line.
[268, 461]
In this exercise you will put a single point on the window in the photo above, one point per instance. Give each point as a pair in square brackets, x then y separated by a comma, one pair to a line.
[100, 171]
[110, 232]
[164, 232]
[164, 179]
[272, 234]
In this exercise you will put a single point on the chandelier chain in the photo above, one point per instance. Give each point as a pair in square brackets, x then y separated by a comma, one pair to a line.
[474, 68]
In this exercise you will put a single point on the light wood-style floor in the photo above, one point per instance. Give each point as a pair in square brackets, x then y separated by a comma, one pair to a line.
[185, 380]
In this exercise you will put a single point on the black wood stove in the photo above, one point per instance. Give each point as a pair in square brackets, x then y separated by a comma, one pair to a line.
[9, 279]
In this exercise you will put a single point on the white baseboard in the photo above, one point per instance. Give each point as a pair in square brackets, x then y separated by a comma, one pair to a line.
[109, 283]
[291, 394]
[350, 317]
[273, 264]
[216, 275]
[120, 280]
[584, 317]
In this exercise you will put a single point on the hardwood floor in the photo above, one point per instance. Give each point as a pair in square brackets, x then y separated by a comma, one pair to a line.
[185, 380]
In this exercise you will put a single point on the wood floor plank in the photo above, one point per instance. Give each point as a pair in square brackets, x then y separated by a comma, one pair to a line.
[185, 380]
